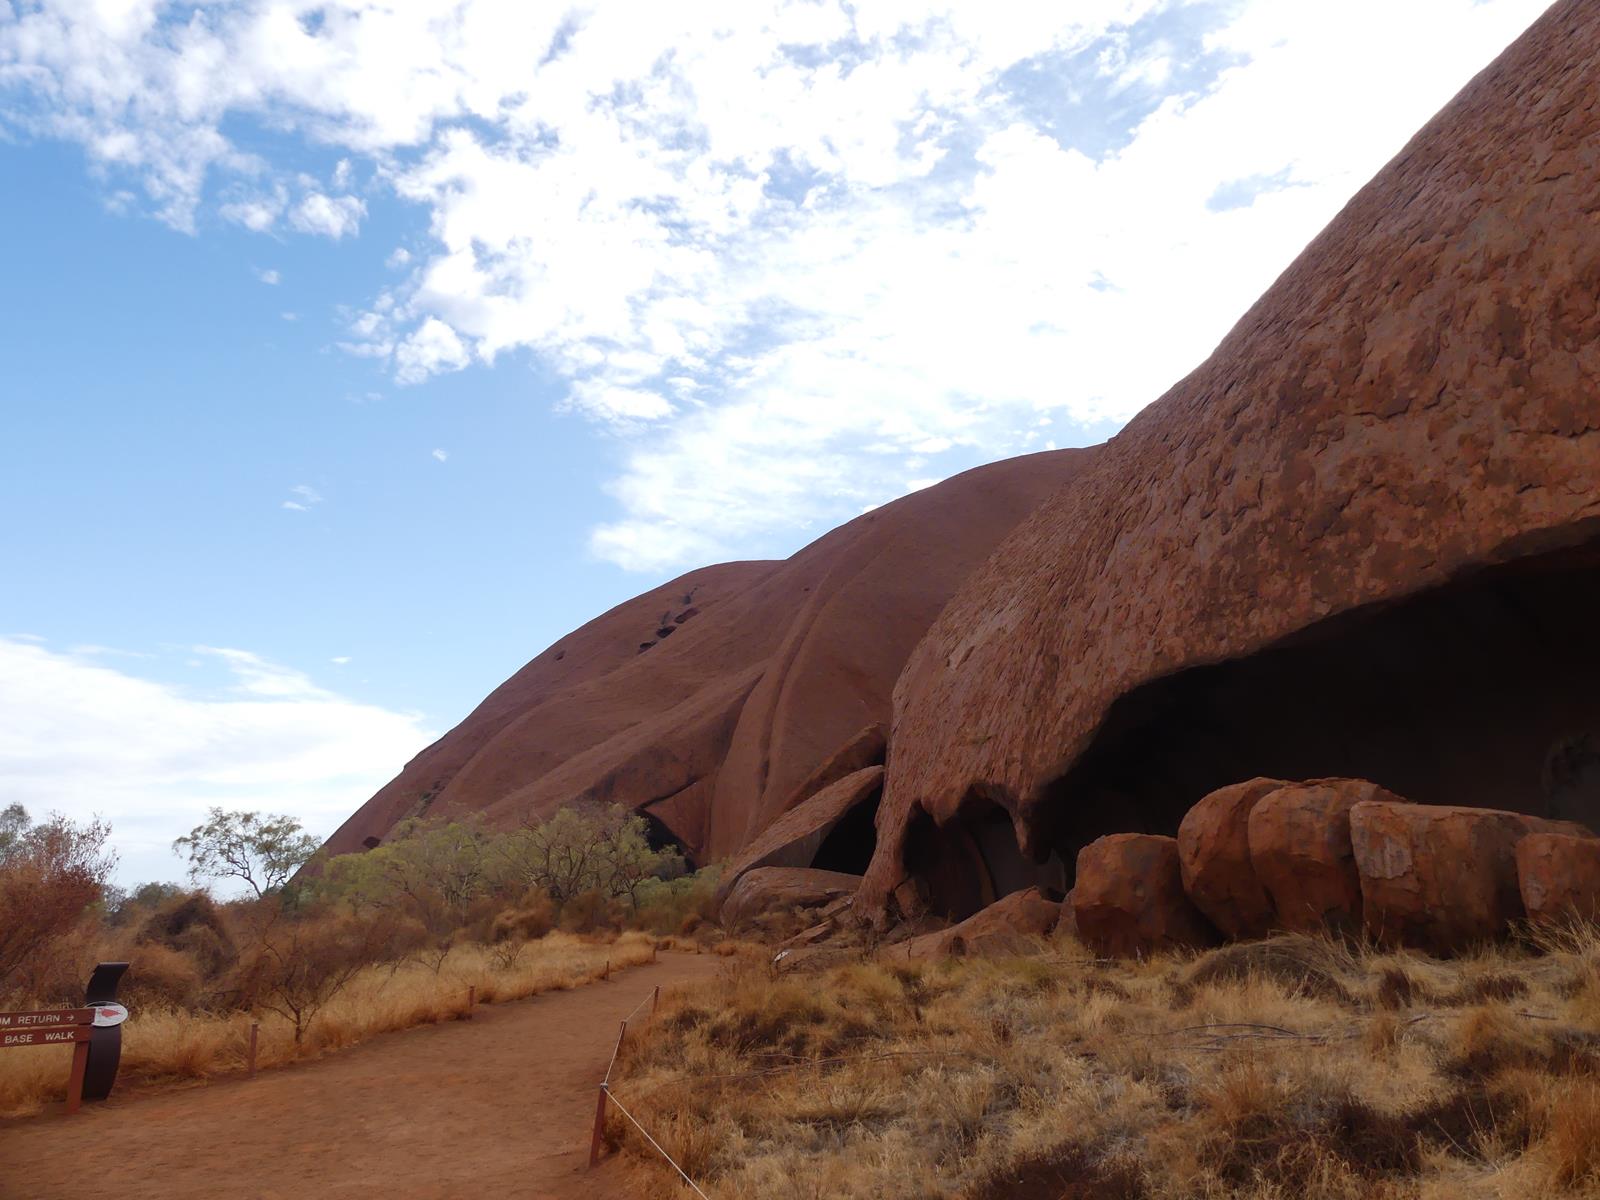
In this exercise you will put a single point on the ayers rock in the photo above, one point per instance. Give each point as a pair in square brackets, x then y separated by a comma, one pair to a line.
[718, 701]
[1361, 540]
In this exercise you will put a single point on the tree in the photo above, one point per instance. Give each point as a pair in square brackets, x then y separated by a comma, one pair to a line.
[49, 873]
[261, 851]
[14, 822]
[596, 850]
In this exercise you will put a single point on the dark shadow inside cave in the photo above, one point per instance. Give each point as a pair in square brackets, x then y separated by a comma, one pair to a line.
[660, 837]
[973, 860]
[850, 844]
[1482, 692]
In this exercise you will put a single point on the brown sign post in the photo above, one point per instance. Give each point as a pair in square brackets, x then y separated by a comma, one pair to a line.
[87, 1030]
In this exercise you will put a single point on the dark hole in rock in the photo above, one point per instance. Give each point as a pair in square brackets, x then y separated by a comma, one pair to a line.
[685, 615]
[666, 631]
[972, 861]
[1481, 692]
[560, 654]
[849, 844]
[643, 646]
[660, 837]
[372, 843]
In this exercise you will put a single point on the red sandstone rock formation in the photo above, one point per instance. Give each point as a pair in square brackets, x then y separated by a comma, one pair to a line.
[1558, 877]
[1439, 877]
[794, 838]
[1300, 850]
[1129, 898]
[1363, 538]
[779, 889]
[718, 700]
[1013, 925]
[1214, 852]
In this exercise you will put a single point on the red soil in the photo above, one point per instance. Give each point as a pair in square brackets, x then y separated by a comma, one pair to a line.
[498, 1106]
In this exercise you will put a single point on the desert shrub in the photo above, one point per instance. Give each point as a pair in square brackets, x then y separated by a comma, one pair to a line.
[132, 907]
[50, 874]
[675, 905]
[192, 924]
[298, 965]
[160, 975]
[590, 911]
[534, 917]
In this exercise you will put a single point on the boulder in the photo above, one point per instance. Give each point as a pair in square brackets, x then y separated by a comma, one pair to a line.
[1558, 876]
[783, 889]
[1067, 926]
[1129, 898]
[1440, 877]
[1294, 561]
[1300, 848]
[794, 838]
[1011, 925]
[1214, 853]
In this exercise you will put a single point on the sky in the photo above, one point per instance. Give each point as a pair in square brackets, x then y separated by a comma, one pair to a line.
[352, 353]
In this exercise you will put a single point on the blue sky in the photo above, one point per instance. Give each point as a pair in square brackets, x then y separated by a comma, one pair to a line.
[350, 357]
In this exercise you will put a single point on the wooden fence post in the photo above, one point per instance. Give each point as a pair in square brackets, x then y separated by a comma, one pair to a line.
[255, 1032]
[655, 1002]
[472, 999]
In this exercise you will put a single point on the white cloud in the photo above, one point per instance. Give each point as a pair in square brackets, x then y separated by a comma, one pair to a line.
[340, 661]
[304, 497]
[331, 216]
[430, 349]
[82, 738]
[269, 277]
[784, 251]
[441, 455]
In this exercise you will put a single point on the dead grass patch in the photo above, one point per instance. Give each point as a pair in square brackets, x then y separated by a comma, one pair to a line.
[1289, 1068]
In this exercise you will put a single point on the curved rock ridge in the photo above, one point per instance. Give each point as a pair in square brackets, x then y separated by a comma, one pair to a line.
[721, 699]
[1360, 539]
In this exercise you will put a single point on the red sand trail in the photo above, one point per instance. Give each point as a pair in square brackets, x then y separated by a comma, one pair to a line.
[501, 1105]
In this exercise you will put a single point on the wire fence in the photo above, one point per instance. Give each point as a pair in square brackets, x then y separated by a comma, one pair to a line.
[653, 999]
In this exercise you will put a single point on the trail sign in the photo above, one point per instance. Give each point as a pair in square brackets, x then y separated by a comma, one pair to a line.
[93, 1032]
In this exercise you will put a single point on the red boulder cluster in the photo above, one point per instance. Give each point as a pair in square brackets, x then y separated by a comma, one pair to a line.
[1337, 856]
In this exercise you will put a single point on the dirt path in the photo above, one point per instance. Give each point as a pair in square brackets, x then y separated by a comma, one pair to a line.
[500, 1106]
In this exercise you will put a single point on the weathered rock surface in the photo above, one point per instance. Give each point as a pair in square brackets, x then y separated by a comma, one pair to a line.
[794, 838]
[1300, 849]
[1129, 898]
[782, 889]
[1439, 877]
[1558, 876]
[1011, 925]
[1214, 853]
[1313, 555]
[773, 676]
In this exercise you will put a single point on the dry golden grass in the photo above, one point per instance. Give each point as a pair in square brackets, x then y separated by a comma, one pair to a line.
[164, 1045]
[1292, 1068]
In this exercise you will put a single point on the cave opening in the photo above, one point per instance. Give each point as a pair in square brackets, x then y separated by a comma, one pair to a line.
[849, 845]
[973, 860]
[658, 834]
[1482, 692]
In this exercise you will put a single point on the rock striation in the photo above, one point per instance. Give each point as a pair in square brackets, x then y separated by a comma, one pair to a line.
[718, 701]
